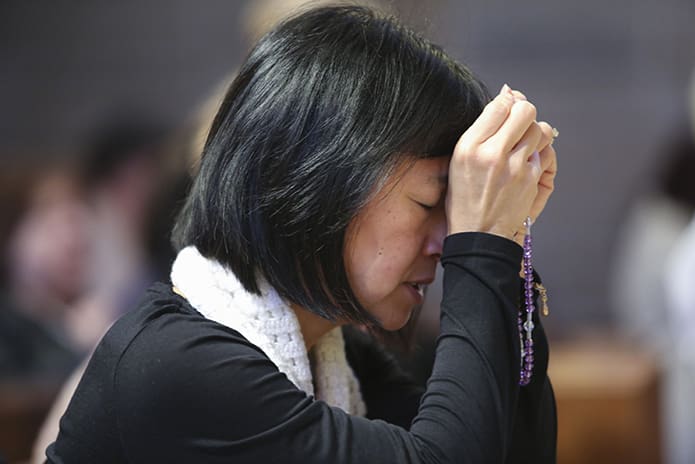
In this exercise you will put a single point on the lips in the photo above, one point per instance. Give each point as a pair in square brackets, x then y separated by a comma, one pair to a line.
[420, 288]
[417, 288]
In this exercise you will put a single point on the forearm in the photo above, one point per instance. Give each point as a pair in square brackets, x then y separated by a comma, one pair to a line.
[474, 385]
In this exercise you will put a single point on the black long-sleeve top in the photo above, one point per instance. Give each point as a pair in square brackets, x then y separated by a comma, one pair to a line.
[167, 385]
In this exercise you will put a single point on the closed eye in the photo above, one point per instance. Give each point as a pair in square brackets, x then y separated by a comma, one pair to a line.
[426, 207]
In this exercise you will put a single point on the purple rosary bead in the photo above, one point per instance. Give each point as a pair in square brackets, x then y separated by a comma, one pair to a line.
[526, 326]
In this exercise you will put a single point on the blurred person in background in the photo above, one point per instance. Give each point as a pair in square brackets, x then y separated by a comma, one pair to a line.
[174, 157]
[133, 189]
[134, 180]
[122, 174]
[679, 285]
[45, 251]
[655, 220]
[654, 282]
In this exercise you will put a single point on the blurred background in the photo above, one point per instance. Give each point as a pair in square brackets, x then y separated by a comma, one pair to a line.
[104, 105]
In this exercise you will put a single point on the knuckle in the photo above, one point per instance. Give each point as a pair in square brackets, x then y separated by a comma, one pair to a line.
[536, 130]
[546, 128]
[463, 146]
[498, 107]
[488, 152]
[519, 95]
[527, 109]
[494, 164]
[457, 161]
[461, 159]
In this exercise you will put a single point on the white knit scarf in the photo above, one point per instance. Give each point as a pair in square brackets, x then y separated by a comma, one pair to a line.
[269, 323]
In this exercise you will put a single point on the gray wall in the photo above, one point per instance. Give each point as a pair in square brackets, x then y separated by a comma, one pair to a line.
[610, 75]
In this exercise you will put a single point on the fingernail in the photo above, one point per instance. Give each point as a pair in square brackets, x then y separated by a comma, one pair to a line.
[505, 89]
[555, 133]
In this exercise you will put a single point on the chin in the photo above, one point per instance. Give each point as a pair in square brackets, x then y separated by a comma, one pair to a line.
[396, 321]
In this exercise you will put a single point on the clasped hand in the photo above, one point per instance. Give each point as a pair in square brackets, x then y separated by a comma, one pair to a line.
[502, 170]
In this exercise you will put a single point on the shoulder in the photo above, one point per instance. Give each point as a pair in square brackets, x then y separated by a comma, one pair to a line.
[164, 322]
[179, 371]
[166, 338]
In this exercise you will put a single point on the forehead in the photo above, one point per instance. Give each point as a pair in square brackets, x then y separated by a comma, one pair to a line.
[432, 172]
[414, 175]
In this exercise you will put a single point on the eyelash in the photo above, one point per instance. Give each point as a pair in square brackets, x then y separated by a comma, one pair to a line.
[425, 207]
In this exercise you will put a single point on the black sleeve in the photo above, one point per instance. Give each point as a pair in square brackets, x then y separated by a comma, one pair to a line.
[205, 397]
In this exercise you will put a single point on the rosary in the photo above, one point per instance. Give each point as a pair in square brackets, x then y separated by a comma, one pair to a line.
[525, 316]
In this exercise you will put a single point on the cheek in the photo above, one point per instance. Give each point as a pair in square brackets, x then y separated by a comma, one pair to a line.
[379, 267]
[382, 249]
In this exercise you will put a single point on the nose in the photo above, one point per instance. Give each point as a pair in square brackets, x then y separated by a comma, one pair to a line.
[435, 237]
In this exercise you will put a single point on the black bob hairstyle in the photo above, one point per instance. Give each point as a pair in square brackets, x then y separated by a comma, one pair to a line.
[326, 105]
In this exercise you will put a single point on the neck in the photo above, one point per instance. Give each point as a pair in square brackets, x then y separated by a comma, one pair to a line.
[312, 326]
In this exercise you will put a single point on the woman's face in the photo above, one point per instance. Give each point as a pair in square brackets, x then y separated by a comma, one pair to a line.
[394, 243]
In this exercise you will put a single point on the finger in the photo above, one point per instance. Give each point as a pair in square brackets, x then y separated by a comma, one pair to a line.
[548, 160]
[546, 182]
[547, 137]
[542, 196]
[491, 119]
[521, 117]
[522, 151]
